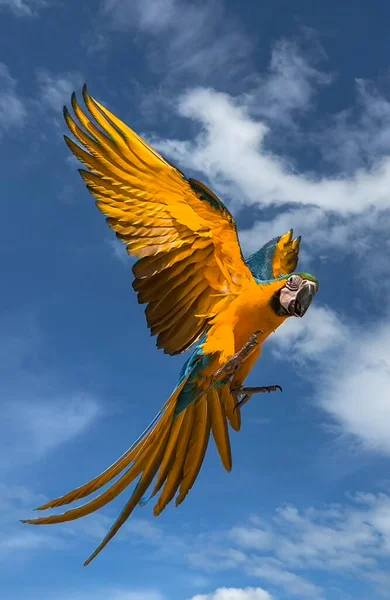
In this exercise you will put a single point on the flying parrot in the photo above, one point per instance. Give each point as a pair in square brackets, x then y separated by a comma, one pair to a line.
[199, 290]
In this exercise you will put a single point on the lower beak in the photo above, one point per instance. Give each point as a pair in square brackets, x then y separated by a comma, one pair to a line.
[304, 299]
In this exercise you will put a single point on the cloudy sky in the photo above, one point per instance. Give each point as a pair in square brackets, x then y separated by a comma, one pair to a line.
[283, 108]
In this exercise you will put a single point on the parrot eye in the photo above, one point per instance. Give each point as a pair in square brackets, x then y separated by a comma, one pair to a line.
[294, 282]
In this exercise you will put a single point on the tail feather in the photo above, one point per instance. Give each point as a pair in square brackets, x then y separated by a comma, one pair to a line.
[116, 468]
[196, 449]
[172, 449]
[140, 466]
[219, 428]
[170, 454]
[230, 408]
[143, 484]
[176, 473]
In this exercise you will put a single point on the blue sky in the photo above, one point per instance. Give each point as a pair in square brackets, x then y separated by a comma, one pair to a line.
[283, 108]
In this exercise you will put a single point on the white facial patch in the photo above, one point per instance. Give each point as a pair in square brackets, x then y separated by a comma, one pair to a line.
[287, 299]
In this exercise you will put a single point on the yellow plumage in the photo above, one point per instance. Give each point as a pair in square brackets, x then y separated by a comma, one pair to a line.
[192, 276]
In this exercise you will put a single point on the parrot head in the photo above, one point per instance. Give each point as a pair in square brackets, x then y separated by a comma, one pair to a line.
[296, 295]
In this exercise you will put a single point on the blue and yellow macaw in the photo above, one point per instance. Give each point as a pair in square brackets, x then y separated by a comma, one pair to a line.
[198, 288]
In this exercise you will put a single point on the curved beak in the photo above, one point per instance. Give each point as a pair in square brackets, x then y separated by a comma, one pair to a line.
[304, 298]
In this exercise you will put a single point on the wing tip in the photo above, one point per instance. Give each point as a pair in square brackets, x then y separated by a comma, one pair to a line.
[73, 101]
[73, 98]
[85, 93]
[89, 560]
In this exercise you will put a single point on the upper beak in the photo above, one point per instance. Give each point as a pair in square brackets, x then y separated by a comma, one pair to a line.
[304, 299]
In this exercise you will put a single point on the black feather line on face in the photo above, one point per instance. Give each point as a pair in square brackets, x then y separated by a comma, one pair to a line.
[276, 305]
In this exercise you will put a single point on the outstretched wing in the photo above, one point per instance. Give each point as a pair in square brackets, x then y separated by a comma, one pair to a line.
[184, 236]
[276, 258]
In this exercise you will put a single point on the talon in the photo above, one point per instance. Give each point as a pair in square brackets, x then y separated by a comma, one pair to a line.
[248, 392]
[262, 389]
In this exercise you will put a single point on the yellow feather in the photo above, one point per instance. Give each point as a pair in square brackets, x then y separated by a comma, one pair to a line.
[177, 338]
[181, 317]
[103, 152]
[175, 474]
[109, 474]
[98, 164]
[145, 153]
[117, 150]
[186, 296]
[104, 498]
[156, 264]
[124, 461]
[196, 448]
[181, 287]
[146, 479]
[219, 429]
[139, 192]
[197, 328]
[229, 404]
[170, 451]
[179, 312]
[113, 133]
[166, 278]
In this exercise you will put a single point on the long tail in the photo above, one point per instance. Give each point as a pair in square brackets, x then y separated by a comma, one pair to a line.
[173, 447]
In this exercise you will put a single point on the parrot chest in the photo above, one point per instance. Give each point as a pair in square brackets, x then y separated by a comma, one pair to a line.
[253, 312]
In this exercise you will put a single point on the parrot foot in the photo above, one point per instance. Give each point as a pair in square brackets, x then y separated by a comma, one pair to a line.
[232, 365]
[247, 393]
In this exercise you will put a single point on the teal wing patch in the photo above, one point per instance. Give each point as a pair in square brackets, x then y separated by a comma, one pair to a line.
[277, 258]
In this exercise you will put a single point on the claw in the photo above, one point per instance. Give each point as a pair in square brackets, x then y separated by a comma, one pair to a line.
[249, 391]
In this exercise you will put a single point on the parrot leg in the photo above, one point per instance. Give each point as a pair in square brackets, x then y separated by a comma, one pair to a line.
[237, 359]
[247, 393]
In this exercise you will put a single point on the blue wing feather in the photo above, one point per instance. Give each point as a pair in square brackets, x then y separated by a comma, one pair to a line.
[260, 262]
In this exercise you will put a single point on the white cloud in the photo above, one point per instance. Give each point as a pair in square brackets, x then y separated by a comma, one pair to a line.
[347, 211]
[119, 251]
[322, 231]
[232, 145]
[320, 332]
[44, 425]
[37, 422]
[357, 136]
[56, 89]
[151, 15]
[238, 147]
[14, 498]
[40, 412]
[235, 594]
[287, 550]
[273, 571]
[19, 541]
[23, 8]
[254, 538]
[27, 541]
[357, 387]
[352, 375]
[217, 559]
[289, 86]
[13, 111]
[211, 44]
[349, 539]
[16, 540]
